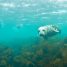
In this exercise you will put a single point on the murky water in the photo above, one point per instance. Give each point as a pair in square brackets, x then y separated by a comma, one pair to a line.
[19, 23]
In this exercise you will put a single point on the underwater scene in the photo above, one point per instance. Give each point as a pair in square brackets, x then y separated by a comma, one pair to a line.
[33, 33]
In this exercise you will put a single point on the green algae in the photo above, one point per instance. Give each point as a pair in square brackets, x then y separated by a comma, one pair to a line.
[45, 54]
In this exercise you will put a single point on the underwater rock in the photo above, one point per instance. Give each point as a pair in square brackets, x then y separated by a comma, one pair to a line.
[48, 31]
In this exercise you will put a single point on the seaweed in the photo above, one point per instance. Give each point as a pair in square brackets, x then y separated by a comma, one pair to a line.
[42, 54]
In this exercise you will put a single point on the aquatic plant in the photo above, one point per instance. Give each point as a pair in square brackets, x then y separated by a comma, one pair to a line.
[43, 54]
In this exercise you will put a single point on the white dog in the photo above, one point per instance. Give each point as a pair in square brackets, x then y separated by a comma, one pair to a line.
[48, 30]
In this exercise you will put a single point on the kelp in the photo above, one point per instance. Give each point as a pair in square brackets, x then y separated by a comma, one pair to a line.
[42, 54]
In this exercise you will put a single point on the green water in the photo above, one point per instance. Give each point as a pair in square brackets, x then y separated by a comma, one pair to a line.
[20, 20]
